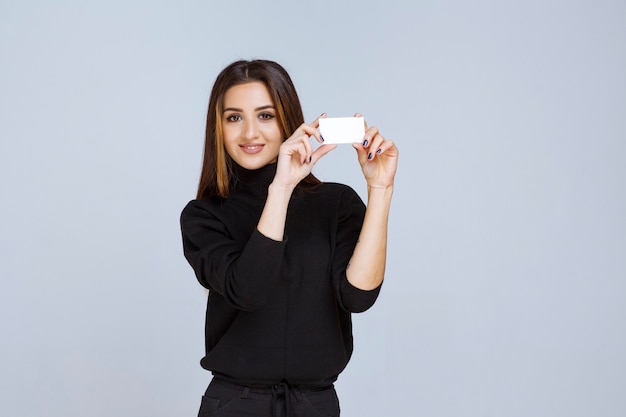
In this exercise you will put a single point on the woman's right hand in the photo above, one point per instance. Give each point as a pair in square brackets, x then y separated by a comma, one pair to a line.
[296, 156]
[378, 158]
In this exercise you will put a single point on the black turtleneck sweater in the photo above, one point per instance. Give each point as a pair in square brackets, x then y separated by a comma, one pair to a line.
[277, 310]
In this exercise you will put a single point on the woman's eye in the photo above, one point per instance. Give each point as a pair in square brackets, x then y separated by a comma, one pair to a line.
[233, 118]
[266, 116]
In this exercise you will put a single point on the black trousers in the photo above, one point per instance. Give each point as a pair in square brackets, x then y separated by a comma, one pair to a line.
[225, 399]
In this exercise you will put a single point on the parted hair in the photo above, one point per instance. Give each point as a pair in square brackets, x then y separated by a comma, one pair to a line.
[217, 175]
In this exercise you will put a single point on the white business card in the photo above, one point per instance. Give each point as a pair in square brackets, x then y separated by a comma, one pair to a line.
[336, 130]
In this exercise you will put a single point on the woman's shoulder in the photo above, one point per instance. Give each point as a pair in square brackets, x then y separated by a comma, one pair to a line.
[202, 206]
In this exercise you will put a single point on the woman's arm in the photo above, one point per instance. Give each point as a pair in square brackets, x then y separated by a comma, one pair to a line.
[366, 268]
[295, 161]
[228, 266]
[378, 158]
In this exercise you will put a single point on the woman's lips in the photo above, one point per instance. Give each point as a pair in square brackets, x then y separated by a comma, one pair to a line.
[251, 148]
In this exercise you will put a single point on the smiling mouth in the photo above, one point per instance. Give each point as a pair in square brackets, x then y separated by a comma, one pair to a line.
[252, 148]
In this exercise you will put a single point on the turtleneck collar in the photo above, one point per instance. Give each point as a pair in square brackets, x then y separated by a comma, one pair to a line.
[258, 179]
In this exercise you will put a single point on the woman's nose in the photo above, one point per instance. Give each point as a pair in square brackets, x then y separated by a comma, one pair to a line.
[251, 130]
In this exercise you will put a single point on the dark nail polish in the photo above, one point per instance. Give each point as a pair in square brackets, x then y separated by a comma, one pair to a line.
[322, 138]
[379, 151]
[370, 156]
[365, 142]
[310, 159]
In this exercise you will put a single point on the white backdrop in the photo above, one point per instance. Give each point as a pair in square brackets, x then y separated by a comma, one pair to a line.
[505, 286]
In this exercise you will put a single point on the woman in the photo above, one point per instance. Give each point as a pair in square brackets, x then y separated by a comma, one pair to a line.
[286, 258]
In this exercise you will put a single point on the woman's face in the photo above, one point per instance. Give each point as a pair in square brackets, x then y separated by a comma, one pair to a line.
[250, 129]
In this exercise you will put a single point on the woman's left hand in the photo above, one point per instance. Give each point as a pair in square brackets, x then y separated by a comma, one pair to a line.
[296, 156]
[378, 158]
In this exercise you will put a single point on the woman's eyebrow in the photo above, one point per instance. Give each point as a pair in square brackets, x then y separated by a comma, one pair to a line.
[267, 106]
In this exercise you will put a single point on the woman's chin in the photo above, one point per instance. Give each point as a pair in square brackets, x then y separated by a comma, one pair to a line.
[253, 163]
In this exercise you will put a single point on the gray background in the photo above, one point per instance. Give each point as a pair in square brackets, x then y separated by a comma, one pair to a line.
[505, 286]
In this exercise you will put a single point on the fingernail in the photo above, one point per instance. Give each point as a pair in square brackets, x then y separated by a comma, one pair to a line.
[323, 114]
[310, 159]
[370, 156]
[322, 138]
[365, 142]
[379, 151]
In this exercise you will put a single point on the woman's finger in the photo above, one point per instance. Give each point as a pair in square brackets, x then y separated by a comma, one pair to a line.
[361, 153]
[375, 146]
[311, 130]
[300, 148]
[316, 123]
[320, 152]
[370, 134]
[308, 149]
[384, 146]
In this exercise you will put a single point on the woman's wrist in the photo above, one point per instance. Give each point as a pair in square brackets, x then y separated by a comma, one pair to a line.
[278, 188]
[272, 221]
[384, 189]
[379, 196]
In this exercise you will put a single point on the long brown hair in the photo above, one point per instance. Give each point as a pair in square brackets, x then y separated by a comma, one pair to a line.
[217, 173]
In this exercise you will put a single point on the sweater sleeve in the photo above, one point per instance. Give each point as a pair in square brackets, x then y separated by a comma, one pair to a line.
[350, 220]
[244, 274]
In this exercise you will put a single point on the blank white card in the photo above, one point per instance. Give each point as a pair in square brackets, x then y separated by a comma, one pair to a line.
[342, 129]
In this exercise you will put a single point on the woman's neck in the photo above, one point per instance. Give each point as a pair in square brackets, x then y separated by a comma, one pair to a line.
[261, 177]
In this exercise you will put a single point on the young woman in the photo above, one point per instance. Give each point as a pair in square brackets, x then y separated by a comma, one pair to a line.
[285, 257]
